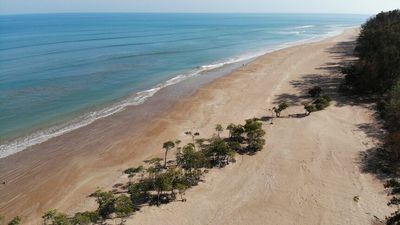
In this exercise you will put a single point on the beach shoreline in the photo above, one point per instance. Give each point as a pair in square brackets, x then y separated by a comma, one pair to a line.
[200, 76]
[58, 177]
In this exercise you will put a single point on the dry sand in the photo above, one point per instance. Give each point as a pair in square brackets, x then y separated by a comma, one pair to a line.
[308, 173]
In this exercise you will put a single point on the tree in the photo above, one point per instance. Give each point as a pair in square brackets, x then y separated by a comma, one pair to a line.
[84, 218]
[310, 108]
[167, 146]
[235, 132]
[254, 134]
[177, 143]
[15, 221]
[106, 202]
[219, 129]
[376, 74]
[53, 217]
[139, 192]
[282, 106]
[182, 187]
[123, 207]
[235, 146]
[321, 102]
[193, 135]
[162, 182]
[48, 217]
[390, 108]
[392, 144]
[394, 187]
[156, 166]
[218, 152]
[176, 175]
[190, 159]
[378, 52]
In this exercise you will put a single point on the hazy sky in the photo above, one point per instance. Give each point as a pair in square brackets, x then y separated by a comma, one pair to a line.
[300, 6]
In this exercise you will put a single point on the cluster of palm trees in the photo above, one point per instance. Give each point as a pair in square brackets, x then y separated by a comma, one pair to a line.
[161, 181]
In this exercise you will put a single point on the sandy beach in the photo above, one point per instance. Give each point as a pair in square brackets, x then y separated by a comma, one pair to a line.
[308, 173]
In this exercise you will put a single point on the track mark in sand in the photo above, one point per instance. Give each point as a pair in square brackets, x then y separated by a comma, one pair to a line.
[269, 100]
[268, 186]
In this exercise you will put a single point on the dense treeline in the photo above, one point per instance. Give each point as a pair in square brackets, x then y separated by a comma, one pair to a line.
[377, 70]
[378, 51]
[160, 181]
[376, 73]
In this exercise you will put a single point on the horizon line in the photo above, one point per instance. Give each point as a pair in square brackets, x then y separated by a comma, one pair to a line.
[167, 12]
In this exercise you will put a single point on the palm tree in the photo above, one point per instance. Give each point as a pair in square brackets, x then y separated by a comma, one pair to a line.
[177, 143]
[193, 135]
[167, 146]
[219, 129]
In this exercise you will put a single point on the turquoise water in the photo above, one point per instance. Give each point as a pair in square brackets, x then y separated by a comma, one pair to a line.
[63, 71]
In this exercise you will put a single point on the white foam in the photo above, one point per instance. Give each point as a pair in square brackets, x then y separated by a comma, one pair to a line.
[138, 98]
[303, 27]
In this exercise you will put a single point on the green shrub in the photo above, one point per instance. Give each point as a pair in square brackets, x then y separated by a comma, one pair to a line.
[134, 170]
[123, 206]
[327, 98]
[310, 108]
[106, 202]
[15, 221]
[85, 218]
[321, 103]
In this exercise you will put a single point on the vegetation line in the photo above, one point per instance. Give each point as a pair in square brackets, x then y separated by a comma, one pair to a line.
[160, 181]
[376, 74]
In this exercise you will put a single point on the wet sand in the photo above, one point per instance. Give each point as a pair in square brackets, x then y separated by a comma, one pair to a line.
[308, 173]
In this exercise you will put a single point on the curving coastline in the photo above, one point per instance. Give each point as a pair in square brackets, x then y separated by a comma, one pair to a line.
[15, 145]
[71, 166]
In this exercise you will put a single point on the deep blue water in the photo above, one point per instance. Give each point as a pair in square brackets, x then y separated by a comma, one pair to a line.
[61, 71]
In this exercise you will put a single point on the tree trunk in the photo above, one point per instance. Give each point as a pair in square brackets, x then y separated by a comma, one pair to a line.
[165, 158]
[194, 144]
[158, 198]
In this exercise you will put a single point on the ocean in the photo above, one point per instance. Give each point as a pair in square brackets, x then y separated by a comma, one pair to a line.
[59, 72]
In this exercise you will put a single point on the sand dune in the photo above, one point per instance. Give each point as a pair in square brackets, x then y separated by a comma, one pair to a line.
[308, 173]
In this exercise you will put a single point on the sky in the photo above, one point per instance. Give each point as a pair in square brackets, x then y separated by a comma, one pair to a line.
[212, 6]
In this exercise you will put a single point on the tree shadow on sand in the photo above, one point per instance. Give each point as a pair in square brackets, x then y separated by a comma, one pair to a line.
[377, 161]
[373, 160]
[331, 78]
[372, 130]
[291, 99]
